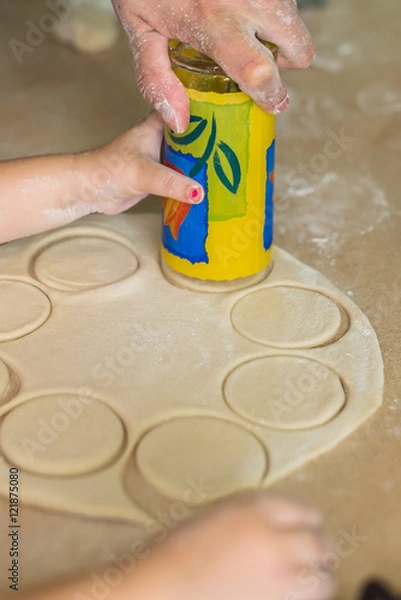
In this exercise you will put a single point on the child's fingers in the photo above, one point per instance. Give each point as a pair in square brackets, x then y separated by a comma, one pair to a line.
[157, 179]
[287, 513]
[305, 548]
[311, 585]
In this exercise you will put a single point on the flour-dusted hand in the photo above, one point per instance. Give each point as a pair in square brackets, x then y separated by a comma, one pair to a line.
[226, 31]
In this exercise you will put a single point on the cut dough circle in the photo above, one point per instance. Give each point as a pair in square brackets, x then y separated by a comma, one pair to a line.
[285, 392]
[23, 309]
[84, 262]
[287, 317]
[61, 434]
[220, 456]
[4, 379]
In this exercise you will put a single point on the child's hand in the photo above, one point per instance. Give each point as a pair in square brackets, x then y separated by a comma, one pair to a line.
[44, 192]
[267, 548]
[113, 178]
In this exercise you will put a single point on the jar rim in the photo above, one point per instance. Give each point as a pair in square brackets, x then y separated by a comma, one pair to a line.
[183, 55]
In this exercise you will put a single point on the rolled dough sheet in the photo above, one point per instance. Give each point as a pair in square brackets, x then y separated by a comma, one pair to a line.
[23, 308]
[134, 393]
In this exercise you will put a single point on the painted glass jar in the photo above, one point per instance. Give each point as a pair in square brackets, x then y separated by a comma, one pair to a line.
[225, 242]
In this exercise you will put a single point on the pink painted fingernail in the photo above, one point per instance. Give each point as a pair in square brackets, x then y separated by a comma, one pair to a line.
[195, 195]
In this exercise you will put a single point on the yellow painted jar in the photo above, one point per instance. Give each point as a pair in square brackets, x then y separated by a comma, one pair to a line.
[225, 242]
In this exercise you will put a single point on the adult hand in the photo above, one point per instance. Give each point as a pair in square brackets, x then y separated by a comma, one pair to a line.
[226, 31]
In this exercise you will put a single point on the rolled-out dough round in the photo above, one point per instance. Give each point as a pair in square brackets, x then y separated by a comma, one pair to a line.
[285, 392]
[287, 317]
[61, 435]
[23, 308]
[224, 456]
[162, 355]
[4, 379]
[84, 262]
